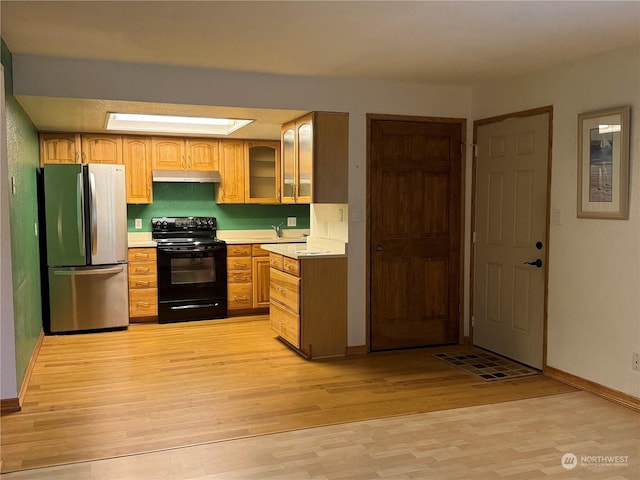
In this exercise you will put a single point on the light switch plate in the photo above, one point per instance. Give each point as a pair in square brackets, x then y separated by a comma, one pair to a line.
[291, 221]
[138, 223]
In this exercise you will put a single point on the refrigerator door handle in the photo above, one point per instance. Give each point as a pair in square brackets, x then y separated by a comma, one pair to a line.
[96, 271]
[94, 214]
[80, 215]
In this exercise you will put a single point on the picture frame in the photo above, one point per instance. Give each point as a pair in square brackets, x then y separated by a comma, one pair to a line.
[603, 163]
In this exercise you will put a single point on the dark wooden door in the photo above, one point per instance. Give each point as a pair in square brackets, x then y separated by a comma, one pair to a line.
[415, 233]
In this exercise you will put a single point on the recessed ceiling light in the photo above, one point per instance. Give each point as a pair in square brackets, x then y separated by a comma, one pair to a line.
[134, 122]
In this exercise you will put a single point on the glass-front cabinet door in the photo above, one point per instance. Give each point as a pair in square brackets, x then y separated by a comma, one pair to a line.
[288, 164]
[304, 132]
[263, 172]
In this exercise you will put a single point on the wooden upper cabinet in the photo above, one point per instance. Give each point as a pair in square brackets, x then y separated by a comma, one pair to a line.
[202, 154]
[288, 145]
[137, 160]
[304, 175]
[330, 157]
[179, 153]
[262, 172]
[315, 152]
[231, 189]
[80, 148]
[101, 149]
[168, 153]
[60, 148]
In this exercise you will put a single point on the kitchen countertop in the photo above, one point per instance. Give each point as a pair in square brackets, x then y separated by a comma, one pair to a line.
[231, 237]
[314, 248]
[140, 240]
[235, 237]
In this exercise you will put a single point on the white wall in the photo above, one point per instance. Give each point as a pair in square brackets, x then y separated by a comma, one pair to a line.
[330, 220]
[594, 265]
[117, 81]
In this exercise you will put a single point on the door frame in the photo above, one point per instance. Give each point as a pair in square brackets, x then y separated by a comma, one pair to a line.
[462, 122]
[485, 121]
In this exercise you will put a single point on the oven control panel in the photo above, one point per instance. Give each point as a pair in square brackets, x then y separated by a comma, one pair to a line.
[177, 224]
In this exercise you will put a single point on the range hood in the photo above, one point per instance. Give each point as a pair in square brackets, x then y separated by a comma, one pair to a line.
[185, 176]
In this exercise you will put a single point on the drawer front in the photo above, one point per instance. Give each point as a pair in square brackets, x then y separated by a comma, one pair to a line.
[238, 250]
[258, 251]
[285, 323]
[284, 289]
[143, 302]
[141, 254]
[143, 281]
[291, 265]
[240, 296]
[238, 263]
[275, 261]
[238, 276]
[142, 268]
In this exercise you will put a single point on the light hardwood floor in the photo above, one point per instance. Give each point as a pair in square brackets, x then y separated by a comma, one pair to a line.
[521, 439]
[155, 387]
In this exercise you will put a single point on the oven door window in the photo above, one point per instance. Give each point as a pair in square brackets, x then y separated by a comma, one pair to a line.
[192, 270]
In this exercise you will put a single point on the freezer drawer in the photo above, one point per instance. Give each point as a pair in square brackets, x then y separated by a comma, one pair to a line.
[88, 298]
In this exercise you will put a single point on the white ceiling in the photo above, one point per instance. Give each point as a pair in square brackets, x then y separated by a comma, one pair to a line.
[430, 42]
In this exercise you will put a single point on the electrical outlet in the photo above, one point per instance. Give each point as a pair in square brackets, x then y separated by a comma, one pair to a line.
[635, 364]
[138, 223]
[291, 221]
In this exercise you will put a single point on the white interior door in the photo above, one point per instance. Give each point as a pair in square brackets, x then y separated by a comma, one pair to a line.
[510, 237]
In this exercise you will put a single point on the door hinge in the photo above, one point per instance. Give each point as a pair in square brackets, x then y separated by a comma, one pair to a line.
[475, 150]
[473, 321]
[473, 237]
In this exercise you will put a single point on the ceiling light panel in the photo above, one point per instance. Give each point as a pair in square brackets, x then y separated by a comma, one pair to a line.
[134, 122]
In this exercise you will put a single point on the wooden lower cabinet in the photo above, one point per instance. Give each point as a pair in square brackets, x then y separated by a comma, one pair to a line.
[247, 279]
[261, 271]
[239, 279]
[308, 306]
[143, 285]
[285, 323]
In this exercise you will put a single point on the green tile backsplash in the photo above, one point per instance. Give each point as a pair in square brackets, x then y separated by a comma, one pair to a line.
[197, 199]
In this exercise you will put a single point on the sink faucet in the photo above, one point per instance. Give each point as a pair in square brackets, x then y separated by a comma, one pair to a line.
[277, 229]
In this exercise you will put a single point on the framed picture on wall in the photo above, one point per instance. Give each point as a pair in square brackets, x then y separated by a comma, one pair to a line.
[603, 163]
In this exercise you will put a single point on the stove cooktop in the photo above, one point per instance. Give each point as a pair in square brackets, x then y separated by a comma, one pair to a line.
[175, 231]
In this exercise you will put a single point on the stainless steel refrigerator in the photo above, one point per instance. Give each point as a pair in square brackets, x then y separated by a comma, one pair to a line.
[86, 241]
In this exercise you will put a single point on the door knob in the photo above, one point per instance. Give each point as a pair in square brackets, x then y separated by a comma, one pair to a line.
[378, 248]
[537, 263]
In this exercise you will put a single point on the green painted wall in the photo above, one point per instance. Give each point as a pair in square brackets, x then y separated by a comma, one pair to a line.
[197, 199]
[23, 162]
